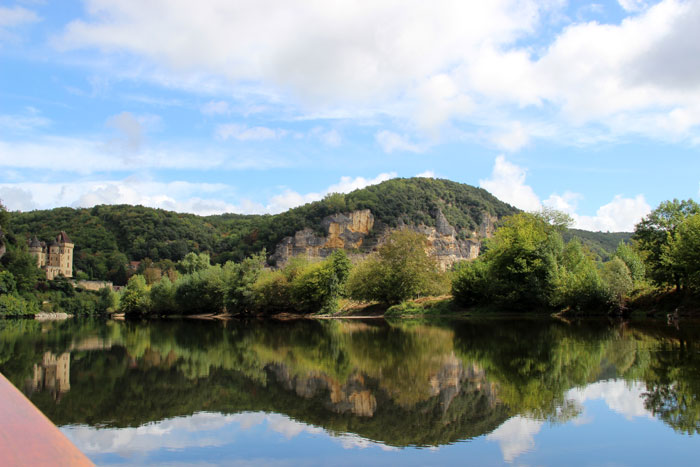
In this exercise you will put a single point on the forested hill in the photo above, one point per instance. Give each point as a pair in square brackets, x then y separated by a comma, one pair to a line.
[108, 236]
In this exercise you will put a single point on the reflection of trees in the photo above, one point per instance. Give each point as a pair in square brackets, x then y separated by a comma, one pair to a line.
[401, 384]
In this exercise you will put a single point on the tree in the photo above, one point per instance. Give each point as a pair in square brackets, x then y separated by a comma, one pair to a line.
[654, 233]
[618, 281]
[632, 260]
[193, 262]
[683, 252]
[402, 269]
[523, 260]
[134, 299]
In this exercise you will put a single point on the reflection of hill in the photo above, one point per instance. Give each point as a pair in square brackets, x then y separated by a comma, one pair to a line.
[399, 384]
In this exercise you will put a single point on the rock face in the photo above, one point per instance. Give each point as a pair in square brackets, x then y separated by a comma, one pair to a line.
[351, 231]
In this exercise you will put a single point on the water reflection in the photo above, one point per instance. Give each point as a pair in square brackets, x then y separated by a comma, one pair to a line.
[124, 388]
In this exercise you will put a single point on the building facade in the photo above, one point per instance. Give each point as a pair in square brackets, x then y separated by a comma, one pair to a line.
[56, 258]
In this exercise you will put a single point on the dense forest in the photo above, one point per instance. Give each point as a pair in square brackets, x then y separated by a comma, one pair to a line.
[107, 237]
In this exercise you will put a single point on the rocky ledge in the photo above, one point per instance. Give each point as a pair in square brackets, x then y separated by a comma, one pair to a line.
[354, 232]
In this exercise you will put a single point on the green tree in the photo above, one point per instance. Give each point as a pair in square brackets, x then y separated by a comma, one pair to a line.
[618, 281]
[683, 252]
[632, 260]
[403, 269]
[193, 262]
[134, 299]
[7, 282]
[523, 260]
[654, 233]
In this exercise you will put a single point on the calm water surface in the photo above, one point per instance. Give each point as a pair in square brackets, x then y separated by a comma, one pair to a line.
[484, 392]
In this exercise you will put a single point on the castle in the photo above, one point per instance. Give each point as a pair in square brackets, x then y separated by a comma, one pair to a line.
[56, 258]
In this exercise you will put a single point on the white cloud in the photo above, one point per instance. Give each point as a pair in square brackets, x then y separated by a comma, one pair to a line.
[130, 129]
[16, 198]
[516, 436]
[289, 198]
[179, 196]
[513, 138]
[244, 133]
[620, 396]
[330, 137]
[15, 17]
[619, 215]
[426, 174]
[390, 142]
[85, 156]
[348, 184]
[216, 108]
[507, 183]
[23, 123]
[428, 63]
[632, 5]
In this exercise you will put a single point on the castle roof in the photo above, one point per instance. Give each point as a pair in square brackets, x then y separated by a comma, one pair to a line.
[35, 243]
[63, 238]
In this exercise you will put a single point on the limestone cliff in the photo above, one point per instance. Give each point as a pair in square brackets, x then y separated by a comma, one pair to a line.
[356, 232]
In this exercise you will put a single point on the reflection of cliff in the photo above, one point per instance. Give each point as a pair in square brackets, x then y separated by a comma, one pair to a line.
[359, 394]
[402, 384]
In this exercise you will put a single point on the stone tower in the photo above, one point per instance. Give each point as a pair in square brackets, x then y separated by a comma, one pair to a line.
[56, 258]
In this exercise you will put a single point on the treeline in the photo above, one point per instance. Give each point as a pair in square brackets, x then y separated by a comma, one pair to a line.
[24, 290]
[108, 237]
[400, 270]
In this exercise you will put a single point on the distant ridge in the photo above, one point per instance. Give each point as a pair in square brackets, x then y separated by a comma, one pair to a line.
[108, 235]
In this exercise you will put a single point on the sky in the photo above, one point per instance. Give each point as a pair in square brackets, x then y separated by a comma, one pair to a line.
[259, 106]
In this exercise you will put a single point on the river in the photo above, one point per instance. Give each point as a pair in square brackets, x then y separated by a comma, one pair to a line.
[334, 392]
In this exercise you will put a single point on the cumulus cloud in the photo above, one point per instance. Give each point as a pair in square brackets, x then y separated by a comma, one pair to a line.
[513, 138]
[390, 142]
[180, 196]
[245, 133]
[428, 63]
[621, 214]
[290, 198]
[507, 183]
[426, 174]
[16, 198]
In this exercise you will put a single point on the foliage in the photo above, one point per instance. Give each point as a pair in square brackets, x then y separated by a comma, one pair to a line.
[12, 304]
[618, 280]
[632, 260]
[655, 232]
[193, 262]
[578, 284]
[134, 299]
[107, 237]
[401, 270]
[683, 252]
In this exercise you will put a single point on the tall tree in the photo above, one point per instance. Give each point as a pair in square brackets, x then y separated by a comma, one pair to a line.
[654, 234]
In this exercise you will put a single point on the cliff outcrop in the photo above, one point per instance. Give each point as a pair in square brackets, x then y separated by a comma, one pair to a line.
[357, 233]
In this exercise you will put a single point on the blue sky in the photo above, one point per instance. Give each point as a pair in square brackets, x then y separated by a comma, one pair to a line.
[256, 107]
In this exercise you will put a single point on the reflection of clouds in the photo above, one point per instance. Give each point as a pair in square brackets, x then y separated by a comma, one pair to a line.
[516, 436]
[186, 432]
[620, 396]
[352, 441]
